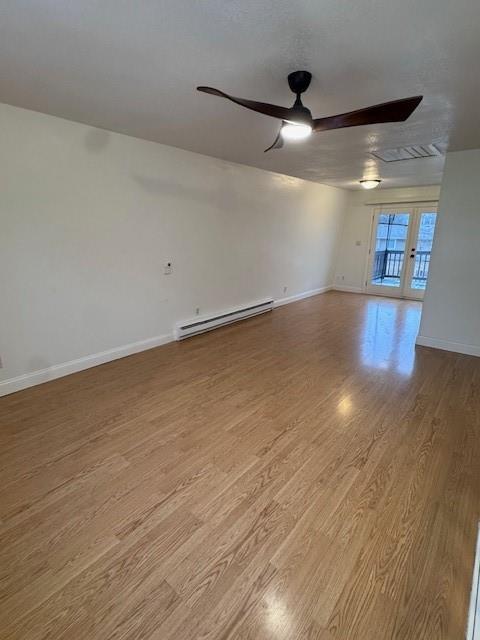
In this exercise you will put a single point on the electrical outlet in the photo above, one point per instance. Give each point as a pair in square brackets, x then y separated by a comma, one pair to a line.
[285, 289]
[167, 269]
[197, 311]
[1, 363]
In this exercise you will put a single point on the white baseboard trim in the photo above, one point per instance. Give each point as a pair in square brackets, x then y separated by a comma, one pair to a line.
[300, 296]
[447, 345]
[73, 366]
[66, 368]
[340, 287]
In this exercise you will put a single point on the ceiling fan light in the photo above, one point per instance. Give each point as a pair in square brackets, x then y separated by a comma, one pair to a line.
[291, 131]
[370, 184]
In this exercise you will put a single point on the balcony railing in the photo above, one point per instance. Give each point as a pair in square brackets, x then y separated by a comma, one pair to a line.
[389, 264]
[422, 265]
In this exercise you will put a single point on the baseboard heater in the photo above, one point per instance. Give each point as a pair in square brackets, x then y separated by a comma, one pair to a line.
[200, 325]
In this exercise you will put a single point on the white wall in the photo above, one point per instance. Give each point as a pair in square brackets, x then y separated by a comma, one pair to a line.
[88, 218]
[352, 257]
[451, 310]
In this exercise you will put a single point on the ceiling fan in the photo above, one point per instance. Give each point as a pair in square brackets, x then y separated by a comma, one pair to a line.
[297, 121]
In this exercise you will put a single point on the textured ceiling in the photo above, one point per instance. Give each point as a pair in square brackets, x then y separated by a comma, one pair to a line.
[132, 66]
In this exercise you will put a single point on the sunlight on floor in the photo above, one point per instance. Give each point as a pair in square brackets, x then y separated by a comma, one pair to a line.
[389, 332]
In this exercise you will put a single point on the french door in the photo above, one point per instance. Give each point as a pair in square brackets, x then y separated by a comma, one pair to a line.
[400, 249]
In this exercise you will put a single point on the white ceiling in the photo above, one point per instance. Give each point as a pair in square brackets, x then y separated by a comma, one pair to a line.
[132, 66]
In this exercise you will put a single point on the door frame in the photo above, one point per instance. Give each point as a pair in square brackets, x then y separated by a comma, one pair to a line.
[414, 209]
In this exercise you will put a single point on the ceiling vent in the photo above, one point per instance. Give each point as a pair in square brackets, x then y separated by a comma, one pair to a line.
[409, 153]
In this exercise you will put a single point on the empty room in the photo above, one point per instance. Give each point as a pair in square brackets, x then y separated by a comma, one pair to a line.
[240, 320]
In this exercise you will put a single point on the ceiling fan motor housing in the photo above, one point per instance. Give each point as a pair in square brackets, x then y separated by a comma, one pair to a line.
[299, 81]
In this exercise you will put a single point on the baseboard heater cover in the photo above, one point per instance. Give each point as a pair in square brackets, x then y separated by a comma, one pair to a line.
[201, 325]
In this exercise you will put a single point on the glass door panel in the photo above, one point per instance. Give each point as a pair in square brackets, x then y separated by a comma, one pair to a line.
[388, 251]
[420, 251]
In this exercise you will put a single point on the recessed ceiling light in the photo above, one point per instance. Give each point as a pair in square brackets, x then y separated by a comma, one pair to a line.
[291, 131]
[370, 184]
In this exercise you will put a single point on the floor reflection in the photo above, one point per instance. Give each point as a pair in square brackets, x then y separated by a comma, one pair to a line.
[389, 331]
[278, 617]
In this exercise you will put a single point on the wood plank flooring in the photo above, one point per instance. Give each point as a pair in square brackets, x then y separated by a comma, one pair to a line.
[307, 474]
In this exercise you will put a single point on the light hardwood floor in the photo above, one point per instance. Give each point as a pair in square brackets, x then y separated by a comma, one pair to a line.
[304, 474]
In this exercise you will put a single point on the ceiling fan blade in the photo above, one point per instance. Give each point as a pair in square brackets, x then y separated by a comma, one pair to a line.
[395, 111]
[260, 107]
[278, 142]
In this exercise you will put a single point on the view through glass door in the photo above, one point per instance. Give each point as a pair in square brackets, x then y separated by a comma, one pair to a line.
[400, 251]
[419, 252]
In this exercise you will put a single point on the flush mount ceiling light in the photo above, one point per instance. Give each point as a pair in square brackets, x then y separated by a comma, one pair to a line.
[370, 184]
[291, 131]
